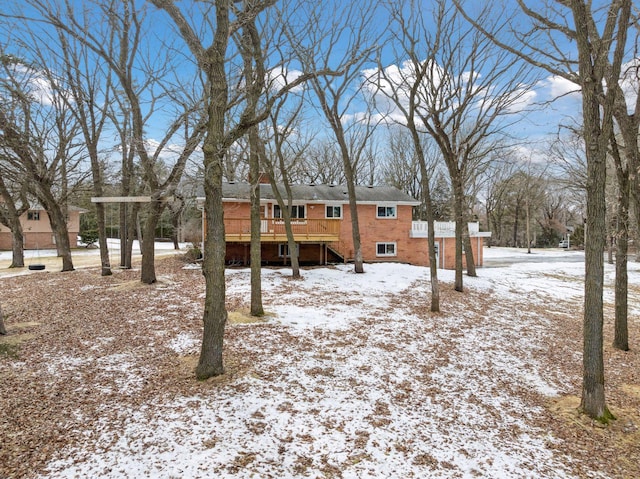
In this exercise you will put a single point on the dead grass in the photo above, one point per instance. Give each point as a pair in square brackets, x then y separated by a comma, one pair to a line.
[80, 311]
[243, 316]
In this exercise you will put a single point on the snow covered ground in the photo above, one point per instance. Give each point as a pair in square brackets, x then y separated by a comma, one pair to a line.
[114, 246]
[352, 377]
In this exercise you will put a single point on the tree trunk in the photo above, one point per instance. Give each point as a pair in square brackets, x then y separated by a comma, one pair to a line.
[147, 247]
[629, 190]
[468, 253]
[593, 397]
[62, 239]
[102, 240]
[3, 330]
[130, 236]
[102, 235]
[431, 242]
[291, 241]
[128, 216]
[58, 224]
[123, 231]
[635, 198]
[336, 125]
[294, 256]
[256, 246]
[286, 217]
[215, 313]
[528, 218]
[597, 109]
[621, 331]
[610, 246]
[139, 233]
[11, 219]
[515, 224]
[17, 245]
[459, 219]
[175, 235]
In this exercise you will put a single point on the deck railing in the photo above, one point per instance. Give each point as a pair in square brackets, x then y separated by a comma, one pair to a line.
[272, 229]
[420, 229]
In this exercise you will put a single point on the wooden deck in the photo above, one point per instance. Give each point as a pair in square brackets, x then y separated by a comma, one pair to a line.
[272, 230]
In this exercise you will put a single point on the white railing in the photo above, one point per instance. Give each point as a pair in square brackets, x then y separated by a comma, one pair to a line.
[420, 229]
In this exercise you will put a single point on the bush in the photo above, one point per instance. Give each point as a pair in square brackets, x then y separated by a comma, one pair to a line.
[193, 254]
[89, 237]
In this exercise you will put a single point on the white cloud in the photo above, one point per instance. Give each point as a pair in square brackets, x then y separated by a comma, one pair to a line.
[279, 78]
[630, 83]
[559, 86]
[396, 81]
[521, 98]
[38, 86]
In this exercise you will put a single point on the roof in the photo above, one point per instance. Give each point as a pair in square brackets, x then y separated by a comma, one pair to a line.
[39, 207]
[321, 193]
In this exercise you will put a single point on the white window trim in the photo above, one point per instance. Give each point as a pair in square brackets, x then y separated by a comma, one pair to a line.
[329, 205]
[395, 209]
[276, 205]
[284, 247]
[387, 255]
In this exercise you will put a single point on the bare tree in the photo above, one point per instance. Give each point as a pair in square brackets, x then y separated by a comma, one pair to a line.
[351, 28]
[130, 177]
[465, 90]
[14, 204]
[39, 137]
[218, 21]
[250, 46]
[89, 86]
[220, 135]
[626, 155]
[127, 24]
[495, 193]
[622, 169]
[601, 39]
[286, 148]
[322, 164]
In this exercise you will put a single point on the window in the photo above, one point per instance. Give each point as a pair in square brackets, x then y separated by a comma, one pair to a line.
[385, 249]
[283, 250]
[386, 212]
[33, 215]
[297, 211]
[334, 211]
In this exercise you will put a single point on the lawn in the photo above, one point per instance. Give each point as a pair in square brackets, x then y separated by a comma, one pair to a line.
[349, 376]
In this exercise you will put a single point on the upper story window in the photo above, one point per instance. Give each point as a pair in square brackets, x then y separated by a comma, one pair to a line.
[33, 215]
[297, 211]
[386, 212]
[334, 211]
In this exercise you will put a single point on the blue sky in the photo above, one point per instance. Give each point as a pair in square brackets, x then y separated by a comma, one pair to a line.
[537, 122]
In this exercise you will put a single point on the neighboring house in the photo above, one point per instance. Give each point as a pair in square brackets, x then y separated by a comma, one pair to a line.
[37, 229]
[321, 222]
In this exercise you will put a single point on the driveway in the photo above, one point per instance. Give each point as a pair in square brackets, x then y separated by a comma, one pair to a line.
[497, 257]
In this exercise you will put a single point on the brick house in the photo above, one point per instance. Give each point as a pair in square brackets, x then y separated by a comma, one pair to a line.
[37, 230]
[321, 223]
